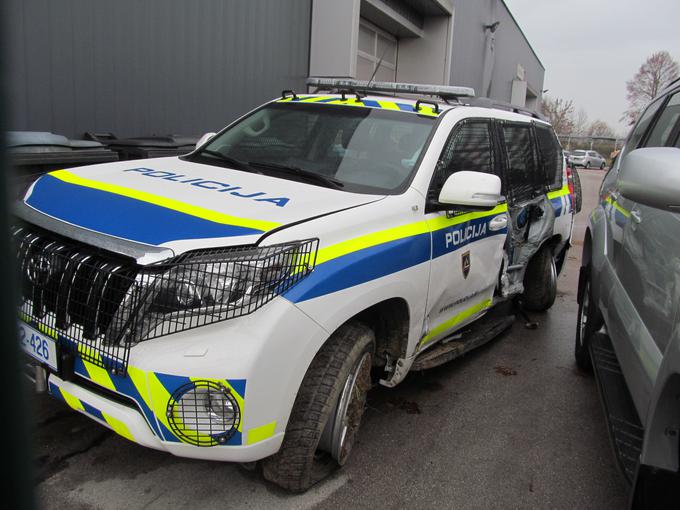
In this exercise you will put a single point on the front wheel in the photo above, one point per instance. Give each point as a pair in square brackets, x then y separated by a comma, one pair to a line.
[540, 281]
[327, 412]
[588, 321]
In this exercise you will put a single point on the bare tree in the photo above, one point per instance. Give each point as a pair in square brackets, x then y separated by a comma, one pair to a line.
[560, 113]
[654, 74]
[600, 128]
[581, 123]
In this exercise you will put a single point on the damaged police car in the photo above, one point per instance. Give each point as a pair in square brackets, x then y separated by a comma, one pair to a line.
[233, 304]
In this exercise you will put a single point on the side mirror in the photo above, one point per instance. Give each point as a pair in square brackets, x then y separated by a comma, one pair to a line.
[651, 177]
[204, 139]
[471, 189]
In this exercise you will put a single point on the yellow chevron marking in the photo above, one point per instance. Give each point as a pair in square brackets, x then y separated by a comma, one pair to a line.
[73, 402]
[118, 427]
[168, 203]
[98, 375]
[257, 434]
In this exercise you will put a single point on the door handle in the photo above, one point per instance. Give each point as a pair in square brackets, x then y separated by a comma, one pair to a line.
[636, 216]
[499, 222]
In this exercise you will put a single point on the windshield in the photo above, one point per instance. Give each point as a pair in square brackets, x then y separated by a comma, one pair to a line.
[579, 153]
[351, 148]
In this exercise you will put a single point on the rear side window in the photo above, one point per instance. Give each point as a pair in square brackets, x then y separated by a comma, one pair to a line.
[523, 177]
[664, 131]
[469, 147]
[551, 156]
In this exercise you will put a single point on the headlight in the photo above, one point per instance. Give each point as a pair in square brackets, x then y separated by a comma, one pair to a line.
[203, 287]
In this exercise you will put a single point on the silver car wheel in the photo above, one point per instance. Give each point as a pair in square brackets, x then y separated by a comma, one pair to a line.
[345, 424]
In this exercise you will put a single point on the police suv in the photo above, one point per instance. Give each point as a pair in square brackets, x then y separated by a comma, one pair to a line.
[233, 304]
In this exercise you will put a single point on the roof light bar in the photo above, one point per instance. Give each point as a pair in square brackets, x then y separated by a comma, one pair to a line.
[442, 91]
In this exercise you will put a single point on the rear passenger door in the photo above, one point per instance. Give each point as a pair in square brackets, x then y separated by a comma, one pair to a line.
[531, 214]
[467, 247]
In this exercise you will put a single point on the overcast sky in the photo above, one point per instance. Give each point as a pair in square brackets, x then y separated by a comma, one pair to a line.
[590, 48]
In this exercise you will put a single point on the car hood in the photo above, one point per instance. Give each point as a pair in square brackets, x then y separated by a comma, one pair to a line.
[181, 205]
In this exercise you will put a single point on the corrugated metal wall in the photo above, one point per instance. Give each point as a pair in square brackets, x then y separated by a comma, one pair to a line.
[467, 61]
[136, 67]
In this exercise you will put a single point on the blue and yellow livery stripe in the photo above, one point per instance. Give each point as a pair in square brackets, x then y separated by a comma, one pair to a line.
[561, 200]
[377, 254]
[366, 103]
[133, 214]
[79, 405]
[454, 321]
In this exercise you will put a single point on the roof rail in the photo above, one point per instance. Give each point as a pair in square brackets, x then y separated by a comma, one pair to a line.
[443, 91]
[485, 102]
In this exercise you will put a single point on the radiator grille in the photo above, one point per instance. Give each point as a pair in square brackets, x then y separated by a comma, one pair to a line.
[74, 293]
[97, 304]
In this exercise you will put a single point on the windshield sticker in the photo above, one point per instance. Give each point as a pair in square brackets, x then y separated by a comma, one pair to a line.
[220, 187]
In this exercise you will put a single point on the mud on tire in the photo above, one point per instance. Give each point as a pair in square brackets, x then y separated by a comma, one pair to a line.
[298, 464]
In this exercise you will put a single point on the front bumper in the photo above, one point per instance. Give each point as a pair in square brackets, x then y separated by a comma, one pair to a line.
[259, 359]
[128, 421]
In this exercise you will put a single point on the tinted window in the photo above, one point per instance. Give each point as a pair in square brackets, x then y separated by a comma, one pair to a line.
[523, 177]
[551, 156]
[469, 147]
[660, 135]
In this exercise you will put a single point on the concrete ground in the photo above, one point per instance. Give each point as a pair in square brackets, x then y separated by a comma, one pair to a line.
[511, 425]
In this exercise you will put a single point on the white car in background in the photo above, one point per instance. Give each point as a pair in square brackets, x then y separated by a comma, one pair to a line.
[588, 159]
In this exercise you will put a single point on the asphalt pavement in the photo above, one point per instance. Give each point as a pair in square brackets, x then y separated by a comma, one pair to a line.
[513, 424]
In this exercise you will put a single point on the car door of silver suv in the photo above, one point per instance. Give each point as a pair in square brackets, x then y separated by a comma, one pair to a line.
[647, 266]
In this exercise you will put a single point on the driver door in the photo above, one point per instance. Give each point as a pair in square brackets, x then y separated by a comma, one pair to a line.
[467, 247]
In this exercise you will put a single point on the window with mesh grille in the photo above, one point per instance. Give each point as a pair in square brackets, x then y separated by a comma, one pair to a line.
[470, 148]
[551, 156]
[523, 177]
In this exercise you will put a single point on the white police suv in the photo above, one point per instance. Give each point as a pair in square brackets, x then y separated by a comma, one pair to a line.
[233, 303]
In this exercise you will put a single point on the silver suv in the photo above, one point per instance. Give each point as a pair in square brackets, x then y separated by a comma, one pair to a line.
[588, 159]
[629, 303]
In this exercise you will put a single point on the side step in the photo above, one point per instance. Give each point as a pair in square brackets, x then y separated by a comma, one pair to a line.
[625, 429]
[478, 333]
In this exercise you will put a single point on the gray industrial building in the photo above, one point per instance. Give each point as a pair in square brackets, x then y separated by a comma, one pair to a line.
[142, 67]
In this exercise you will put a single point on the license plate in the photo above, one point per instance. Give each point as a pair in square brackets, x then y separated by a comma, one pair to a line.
[38, 345]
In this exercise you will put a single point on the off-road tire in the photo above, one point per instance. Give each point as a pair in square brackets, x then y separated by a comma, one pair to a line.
[540, 281]
[593, 324]
[578, 191]
[297, 465]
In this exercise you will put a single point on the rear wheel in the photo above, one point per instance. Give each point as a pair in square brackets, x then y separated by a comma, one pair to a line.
[588, 164]
[602, 166]
[578, 193]
[540, 281]
[327, 411]
[589, 320]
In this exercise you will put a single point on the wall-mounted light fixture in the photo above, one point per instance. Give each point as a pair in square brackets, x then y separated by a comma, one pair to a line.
[492, 27]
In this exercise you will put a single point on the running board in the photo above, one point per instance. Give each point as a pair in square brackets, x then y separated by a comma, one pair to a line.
[625, 429]
[476, 334]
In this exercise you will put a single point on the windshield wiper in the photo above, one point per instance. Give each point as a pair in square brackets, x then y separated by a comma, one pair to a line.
[328, 182]
[241, 165]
